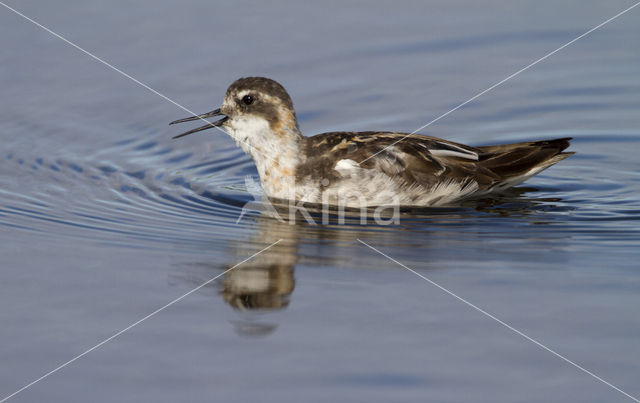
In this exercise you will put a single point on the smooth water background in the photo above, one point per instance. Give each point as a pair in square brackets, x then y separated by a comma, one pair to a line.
[104, 218]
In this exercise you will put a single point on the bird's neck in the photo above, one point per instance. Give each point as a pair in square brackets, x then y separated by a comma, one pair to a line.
[275, 149]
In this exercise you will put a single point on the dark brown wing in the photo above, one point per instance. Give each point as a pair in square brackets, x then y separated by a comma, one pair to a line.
[424, 160]
[416, 159]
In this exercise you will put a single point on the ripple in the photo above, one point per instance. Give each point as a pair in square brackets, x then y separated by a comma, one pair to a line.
[152, 194]
[108, 192]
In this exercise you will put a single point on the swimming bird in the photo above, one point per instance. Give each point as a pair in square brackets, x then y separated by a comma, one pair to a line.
[371, 168]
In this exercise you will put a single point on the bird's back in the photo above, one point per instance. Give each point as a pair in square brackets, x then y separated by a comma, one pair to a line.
[420, 170]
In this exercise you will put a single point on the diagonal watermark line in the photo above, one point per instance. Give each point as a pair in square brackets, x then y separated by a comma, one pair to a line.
[86, 52]
[108, 339]
[482, 311]
[505, 80]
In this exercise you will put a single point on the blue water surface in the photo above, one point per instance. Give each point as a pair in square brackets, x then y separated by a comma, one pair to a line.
[104, 219]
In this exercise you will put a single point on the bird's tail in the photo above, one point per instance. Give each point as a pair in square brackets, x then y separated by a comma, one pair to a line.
[515, 163]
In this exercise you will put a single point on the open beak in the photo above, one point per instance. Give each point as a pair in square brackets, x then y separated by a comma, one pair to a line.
[203, 116]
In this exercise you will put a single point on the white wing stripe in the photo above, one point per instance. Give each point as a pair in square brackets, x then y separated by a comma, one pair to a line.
[450, 150]
[450, 153]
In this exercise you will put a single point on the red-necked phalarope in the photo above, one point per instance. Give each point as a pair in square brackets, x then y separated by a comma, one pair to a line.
[374, 166]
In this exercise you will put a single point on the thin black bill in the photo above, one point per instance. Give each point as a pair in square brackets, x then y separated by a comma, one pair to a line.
[203, 116]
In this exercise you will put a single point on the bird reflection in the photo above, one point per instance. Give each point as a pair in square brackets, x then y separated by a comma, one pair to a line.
[266, 281]
[264, 284]
[260, 285]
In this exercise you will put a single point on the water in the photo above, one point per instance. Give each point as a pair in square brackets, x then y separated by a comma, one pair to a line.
[104, 219]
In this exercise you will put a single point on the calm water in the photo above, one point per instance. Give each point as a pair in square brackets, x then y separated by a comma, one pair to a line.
[105, 219]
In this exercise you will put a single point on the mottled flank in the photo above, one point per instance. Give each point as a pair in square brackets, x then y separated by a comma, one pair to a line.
[369, 168]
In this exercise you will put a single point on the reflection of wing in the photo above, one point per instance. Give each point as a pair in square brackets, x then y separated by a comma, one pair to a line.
[429, 161]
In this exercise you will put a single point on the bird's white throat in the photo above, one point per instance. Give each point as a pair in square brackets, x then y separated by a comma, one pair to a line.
[275, 153]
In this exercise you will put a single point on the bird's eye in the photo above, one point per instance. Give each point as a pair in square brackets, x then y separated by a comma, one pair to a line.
[247, 99]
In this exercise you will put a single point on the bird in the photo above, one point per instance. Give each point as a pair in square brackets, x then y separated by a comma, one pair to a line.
[368, 168]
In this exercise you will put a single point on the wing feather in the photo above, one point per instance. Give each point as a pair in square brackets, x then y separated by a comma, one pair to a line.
[428, 161]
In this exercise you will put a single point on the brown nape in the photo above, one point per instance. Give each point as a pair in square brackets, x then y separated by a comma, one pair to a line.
[511, 160]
